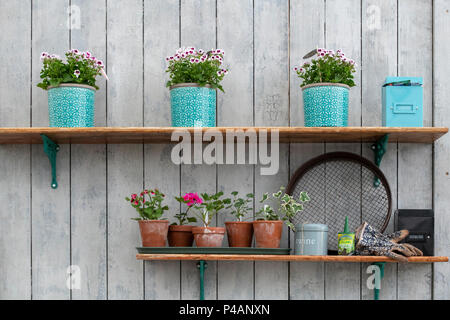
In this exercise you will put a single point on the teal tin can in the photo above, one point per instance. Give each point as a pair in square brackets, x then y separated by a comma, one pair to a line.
[71, 105]
[311, 239]
[326, 104]
[193, 105]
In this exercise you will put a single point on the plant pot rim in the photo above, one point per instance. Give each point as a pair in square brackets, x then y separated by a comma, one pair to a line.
[238, 222]
[189, 84]
[183, 228]
[268, 221]
[77, 85]
[214, 230]
[155, 221]
[321, 84]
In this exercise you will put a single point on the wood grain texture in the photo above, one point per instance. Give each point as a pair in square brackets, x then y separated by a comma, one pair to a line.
[441, 70]
[307, 24]
[161, 38]
[50, 208]
[379, 58]
[198, 29]
[343, 281]
[15, 260]
[125, 162]
[271, 84]
[235, 36]
[262, 257]
[88, 169]
[415, 162]
[129, 135]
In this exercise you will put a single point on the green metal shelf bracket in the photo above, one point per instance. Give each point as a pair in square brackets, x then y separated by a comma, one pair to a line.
[202, 265]
[51, 148]
[379, 148]
[376, 291]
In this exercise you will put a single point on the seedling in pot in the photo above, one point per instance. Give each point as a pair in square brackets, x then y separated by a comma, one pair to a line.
[211, 206]
[286, 207]
[240, 206]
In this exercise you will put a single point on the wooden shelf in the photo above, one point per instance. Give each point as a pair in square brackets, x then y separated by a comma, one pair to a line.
[243, 257]
[131, 135]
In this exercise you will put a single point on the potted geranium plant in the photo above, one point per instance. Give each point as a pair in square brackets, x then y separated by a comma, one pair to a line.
[327, 79]
[269, 224]
[239, 232]
[207, 236]
[149, 205]
[71, 87]
[194, 77]
[180, 234]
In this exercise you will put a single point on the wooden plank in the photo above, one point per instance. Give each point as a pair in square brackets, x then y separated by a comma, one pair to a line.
[307, 22]
[262, 257]
[50, 208]
[161, 38]
[271, 65]
[343, 281]
[15, 247]
[88, 168]
[415, 162]
[235, 36]
[441, 70]
[125, 162]
[379, 58]
[128, 135]
[201, 177]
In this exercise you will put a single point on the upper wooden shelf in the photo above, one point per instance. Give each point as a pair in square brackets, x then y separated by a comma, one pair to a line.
[261, 257]
[102, 135]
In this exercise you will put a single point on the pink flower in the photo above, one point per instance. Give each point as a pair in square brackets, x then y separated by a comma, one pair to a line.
[133, 196]
[100, 63]
[136, 203]
[87, 54]
[192, 198]
[192, 60]
[295, 68]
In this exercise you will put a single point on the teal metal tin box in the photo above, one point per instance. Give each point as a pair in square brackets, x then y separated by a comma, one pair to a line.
[402, 102]
[311, 239]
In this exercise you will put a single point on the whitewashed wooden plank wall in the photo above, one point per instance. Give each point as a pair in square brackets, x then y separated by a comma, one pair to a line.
[86, 222]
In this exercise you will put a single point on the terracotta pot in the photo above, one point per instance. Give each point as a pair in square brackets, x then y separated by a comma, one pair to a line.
[180, 236]
[268, 233]
[240, 233]
[154, 232]
[208, 236]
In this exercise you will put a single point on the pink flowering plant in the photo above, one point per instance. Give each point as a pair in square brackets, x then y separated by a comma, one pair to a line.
[148, 204]
[327, 66]
[79, 67]
[189, 199]
[210, 206]
[191, 65]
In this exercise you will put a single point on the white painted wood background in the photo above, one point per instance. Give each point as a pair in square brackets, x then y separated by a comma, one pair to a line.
[86, 222]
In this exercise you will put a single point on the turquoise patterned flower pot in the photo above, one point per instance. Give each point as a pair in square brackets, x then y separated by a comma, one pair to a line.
[192, 105]
[71, 105]
[326, 104]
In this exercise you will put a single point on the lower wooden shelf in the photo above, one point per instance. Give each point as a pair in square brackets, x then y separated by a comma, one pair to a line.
[257, 257]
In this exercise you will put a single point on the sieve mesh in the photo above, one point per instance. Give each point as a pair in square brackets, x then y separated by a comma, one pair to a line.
[340, 186]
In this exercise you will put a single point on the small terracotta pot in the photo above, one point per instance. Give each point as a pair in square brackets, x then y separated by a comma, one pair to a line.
[268, 233]
[154, 232]
[208, 236]
[240, 233]
[180, 236]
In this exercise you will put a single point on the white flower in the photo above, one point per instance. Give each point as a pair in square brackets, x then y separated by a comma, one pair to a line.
[77, 73]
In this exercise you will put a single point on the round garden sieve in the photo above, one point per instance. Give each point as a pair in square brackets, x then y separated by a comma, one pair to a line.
[341, 184]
